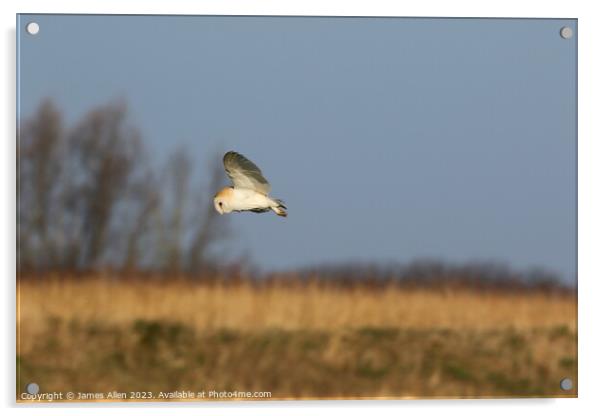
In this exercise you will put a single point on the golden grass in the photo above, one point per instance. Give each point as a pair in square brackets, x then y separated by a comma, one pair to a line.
[294, 340]
[246, 307]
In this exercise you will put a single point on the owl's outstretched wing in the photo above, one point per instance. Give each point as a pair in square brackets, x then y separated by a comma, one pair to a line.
[245, 174]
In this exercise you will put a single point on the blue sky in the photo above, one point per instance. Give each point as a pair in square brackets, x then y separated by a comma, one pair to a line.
[390, 139]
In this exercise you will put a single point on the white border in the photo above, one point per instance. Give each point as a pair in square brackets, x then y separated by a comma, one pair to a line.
[590, 171]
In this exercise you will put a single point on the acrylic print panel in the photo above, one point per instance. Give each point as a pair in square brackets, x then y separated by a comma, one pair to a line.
[397, 218]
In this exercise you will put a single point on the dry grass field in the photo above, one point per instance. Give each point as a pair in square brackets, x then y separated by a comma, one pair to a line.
[293, 340]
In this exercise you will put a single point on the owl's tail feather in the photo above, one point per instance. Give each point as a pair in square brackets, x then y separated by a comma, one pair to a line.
[280, 209]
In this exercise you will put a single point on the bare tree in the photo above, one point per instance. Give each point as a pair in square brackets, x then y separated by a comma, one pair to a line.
[145, 204]
[175, 201]
[39, 169]
[210, 227]
[105, 152]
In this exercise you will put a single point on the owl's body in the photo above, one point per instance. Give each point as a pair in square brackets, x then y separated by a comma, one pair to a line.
[250, 190]
[237, 200]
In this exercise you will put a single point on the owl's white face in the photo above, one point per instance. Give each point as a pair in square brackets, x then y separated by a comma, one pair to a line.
[218, 204]
[222, 201]
[221, 205]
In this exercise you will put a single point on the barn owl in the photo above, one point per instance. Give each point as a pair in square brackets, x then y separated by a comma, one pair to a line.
[250, 190]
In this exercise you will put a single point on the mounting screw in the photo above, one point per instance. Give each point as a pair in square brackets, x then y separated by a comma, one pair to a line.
[32, 28]
[566, 384]
[32, 388]
[566, 32]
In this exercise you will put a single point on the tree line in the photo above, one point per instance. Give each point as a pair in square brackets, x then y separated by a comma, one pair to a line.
[90, 198]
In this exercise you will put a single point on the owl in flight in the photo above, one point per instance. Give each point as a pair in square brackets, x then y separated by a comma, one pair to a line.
[250, 190]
